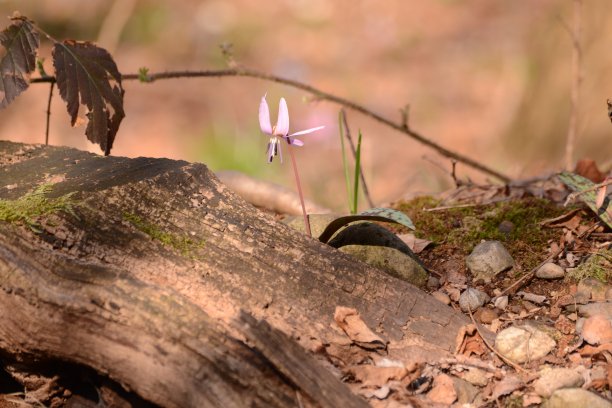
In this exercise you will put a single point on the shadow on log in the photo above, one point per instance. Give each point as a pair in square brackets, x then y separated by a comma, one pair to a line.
[154, 275]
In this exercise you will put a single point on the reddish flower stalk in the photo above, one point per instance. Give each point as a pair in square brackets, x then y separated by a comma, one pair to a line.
[281, 131]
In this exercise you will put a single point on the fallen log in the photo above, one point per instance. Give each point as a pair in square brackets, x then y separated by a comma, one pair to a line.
[157, 277]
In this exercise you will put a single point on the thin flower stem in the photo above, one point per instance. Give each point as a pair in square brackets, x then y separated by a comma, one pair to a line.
[49, 113]
[299, 187]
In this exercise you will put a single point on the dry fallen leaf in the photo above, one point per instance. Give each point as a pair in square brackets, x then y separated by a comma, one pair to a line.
[370, 375]
[443, 390]
[588, 351]
[350, 322]
[597, 330]
[507, 385]
[416, 245]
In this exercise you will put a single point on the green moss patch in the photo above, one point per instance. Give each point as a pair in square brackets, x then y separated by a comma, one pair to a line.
[598, 266]
[28, 208]
[181, 243]
[515, 223]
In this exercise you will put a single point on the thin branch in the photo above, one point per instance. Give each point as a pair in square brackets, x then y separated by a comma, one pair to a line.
[366, 192]
[49, 112]
[572, 129]
[244, 72]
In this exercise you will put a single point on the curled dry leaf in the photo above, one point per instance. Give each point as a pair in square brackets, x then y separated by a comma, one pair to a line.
[350, 322]
[18, 47]
[443, 390]
[417, 245]
[87, 78]
[507, 385]
[370, 375]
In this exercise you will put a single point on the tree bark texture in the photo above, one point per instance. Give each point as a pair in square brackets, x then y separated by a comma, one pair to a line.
[166, 282]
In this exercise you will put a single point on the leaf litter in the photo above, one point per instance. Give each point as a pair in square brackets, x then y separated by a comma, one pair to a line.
[571, 238]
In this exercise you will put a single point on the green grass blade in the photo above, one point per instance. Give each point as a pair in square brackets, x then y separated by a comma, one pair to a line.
[344, 163]
[356, 176]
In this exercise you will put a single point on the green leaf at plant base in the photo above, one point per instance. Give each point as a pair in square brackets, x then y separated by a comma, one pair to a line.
[578, 184]
[391, 215]
[374, 214]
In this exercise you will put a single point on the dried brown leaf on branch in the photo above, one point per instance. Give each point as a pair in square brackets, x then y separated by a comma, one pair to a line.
[88, 79]
[18, 47]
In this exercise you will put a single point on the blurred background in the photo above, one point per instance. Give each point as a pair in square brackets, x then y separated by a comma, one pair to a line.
[489, 79]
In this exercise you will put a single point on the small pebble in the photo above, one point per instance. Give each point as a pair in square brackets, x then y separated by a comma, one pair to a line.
[506, 227]
[472, 299]
[550, 271]
[442, 297]
[487, 316]
[501, 302]
[532, 297]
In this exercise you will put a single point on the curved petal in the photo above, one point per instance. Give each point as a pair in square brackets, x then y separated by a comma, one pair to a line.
[304, 132]
[264, 116]
[282, 124]
[295, 142]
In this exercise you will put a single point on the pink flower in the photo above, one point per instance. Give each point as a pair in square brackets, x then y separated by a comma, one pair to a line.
[281, 130]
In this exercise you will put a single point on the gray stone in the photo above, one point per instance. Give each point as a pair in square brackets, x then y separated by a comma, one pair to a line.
[488, 259]
[550, 271]
[523, 344]
[472, 299]
[371, 243]
[557, 378]
[575, 398]
[501, 302]
[394, 262]
[318, 222]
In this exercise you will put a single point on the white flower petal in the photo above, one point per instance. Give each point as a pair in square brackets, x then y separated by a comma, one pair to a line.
[264, 116]
[304, 132]
[282, 124]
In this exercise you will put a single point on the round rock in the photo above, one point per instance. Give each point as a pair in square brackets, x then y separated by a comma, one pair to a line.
[488, 259]
[575, 398]
[557, 378]
[523, 344]
[550, 271]
[472, 299]
[442, 297]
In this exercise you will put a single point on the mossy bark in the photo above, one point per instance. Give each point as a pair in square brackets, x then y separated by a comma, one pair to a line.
[165, 318]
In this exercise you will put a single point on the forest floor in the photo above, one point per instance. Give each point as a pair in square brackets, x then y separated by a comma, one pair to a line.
[558, 327]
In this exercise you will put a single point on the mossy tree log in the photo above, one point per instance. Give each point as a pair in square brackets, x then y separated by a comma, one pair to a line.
[158, 277]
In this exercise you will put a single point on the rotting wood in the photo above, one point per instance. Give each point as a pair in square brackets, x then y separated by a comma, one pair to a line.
[143, 284]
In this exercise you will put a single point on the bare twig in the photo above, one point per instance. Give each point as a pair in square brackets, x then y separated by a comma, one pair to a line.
[526, 278]
[49, 112]
[366, 192]
[572, 129]
[245, 72]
